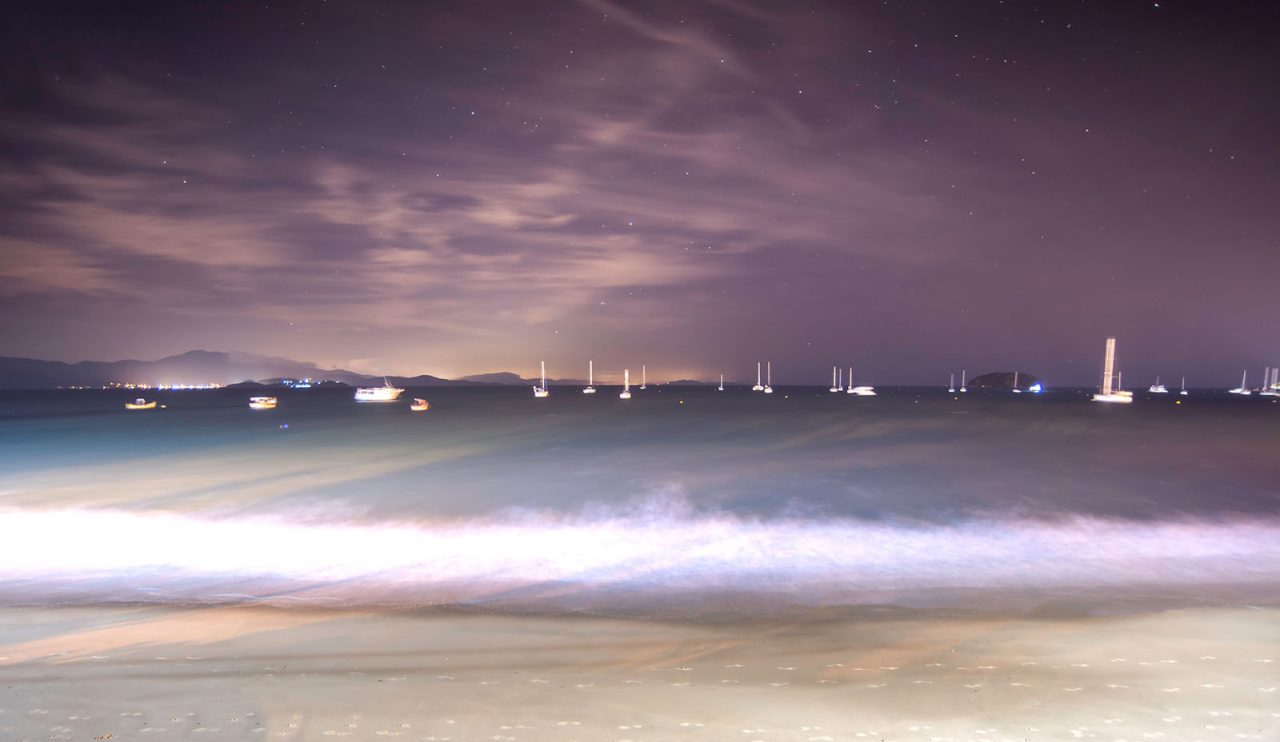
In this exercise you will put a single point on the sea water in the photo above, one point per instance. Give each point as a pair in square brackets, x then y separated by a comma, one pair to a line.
[681, 499]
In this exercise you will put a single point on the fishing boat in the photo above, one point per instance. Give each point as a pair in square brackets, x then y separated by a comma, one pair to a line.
[591, 378]
[1183, 391]
[963, 388]
[721, 387]
[140, 404]
[951, 385]
[768, 378]
[1108, 393]
[1157, 388]
[758, 387]
[626, 384]
[263, 403]
[419, 405]
[541, 390]
[384, 393]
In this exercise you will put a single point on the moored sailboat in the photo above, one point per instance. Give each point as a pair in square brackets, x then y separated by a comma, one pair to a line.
[1108, 393]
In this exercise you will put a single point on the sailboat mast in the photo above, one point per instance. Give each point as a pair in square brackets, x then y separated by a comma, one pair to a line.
[544, 373]
[757, 373]
[768, 379]
[840, 381]
[591, 373]
[1108, 366]
[626, 379]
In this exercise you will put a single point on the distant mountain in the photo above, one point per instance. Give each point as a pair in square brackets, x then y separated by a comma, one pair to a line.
[193, 367]
[1003, 380]
[499, 377]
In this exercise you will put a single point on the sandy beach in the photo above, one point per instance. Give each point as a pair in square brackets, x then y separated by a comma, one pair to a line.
[227, 673]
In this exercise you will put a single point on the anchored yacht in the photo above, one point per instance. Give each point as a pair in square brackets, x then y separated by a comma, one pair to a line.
[1243, 389]
[540, 391]
[140, 404]
[591, 378]
[1107, 393]
[626, 385]
[963, 388]
[1157, 388]
[768, 378]
[384, 393]
[951, 385]
[263, 403]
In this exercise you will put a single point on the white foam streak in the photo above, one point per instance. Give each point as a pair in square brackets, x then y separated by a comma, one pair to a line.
[648, 549]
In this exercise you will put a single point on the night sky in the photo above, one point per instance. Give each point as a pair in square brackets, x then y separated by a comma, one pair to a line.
[461, 187]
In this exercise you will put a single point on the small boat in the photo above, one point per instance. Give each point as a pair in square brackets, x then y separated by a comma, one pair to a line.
[758, 387]
[951, 385]
[263, 403]
[1108, 393]
[835, 387]
[384, 393]
[1157, 388]
[963, 388]
[1183, 391]
[591, 378]
[1016, 390]
[1243, 389]
[419, 405]
[140, 404]
[626, 384]
[721, 387]
[644, 377]
[540, 391]
[768, 379]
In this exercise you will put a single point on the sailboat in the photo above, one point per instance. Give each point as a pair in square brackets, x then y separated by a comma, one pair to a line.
[1157, 388]
[644, 378]
[1183, 391]
[859, 391]
[384, 393]
[721, 387]
[849, 389]
[758, 387]
[1268, 388]
[963, 388]
[1272, 386]
[1016, 390]
[541, 390]
[1107, 394]
[1242, 390]
[591, 378]
[951, 385]
[626, 385]
[768, 379]
[834, 386]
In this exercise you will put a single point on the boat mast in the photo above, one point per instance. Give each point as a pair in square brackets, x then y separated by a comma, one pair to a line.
[644, 377]
[1108, 366]
[591, 373]
[544, 374]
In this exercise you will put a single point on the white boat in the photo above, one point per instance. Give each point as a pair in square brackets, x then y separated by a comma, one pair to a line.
[849, 388]
[1268, 388]
[1183, 391]
[1016, 390]
[263, 403]
[541, 391]
[140, 404]
[834, 386]
[951, 385]
[419, 405]
[768, 379]
[644, 377]
[1107, 393]
[758, 387]
[963, 388]
[1157, 388]
[1243, 389]
[384, 393]
[591, 378]
[863, 391]
[626, 384]
[721, 387]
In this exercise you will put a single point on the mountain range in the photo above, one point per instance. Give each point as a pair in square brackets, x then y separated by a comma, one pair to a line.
[206, 367]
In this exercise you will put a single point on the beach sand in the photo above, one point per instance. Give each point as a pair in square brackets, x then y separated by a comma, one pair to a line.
[232, 673]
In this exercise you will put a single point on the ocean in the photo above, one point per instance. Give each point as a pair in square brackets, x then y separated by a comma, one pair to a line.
[681, 501]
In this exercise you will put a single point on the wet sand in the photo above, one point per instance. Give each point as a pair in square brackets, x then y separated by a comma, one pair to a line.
[87, 673]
